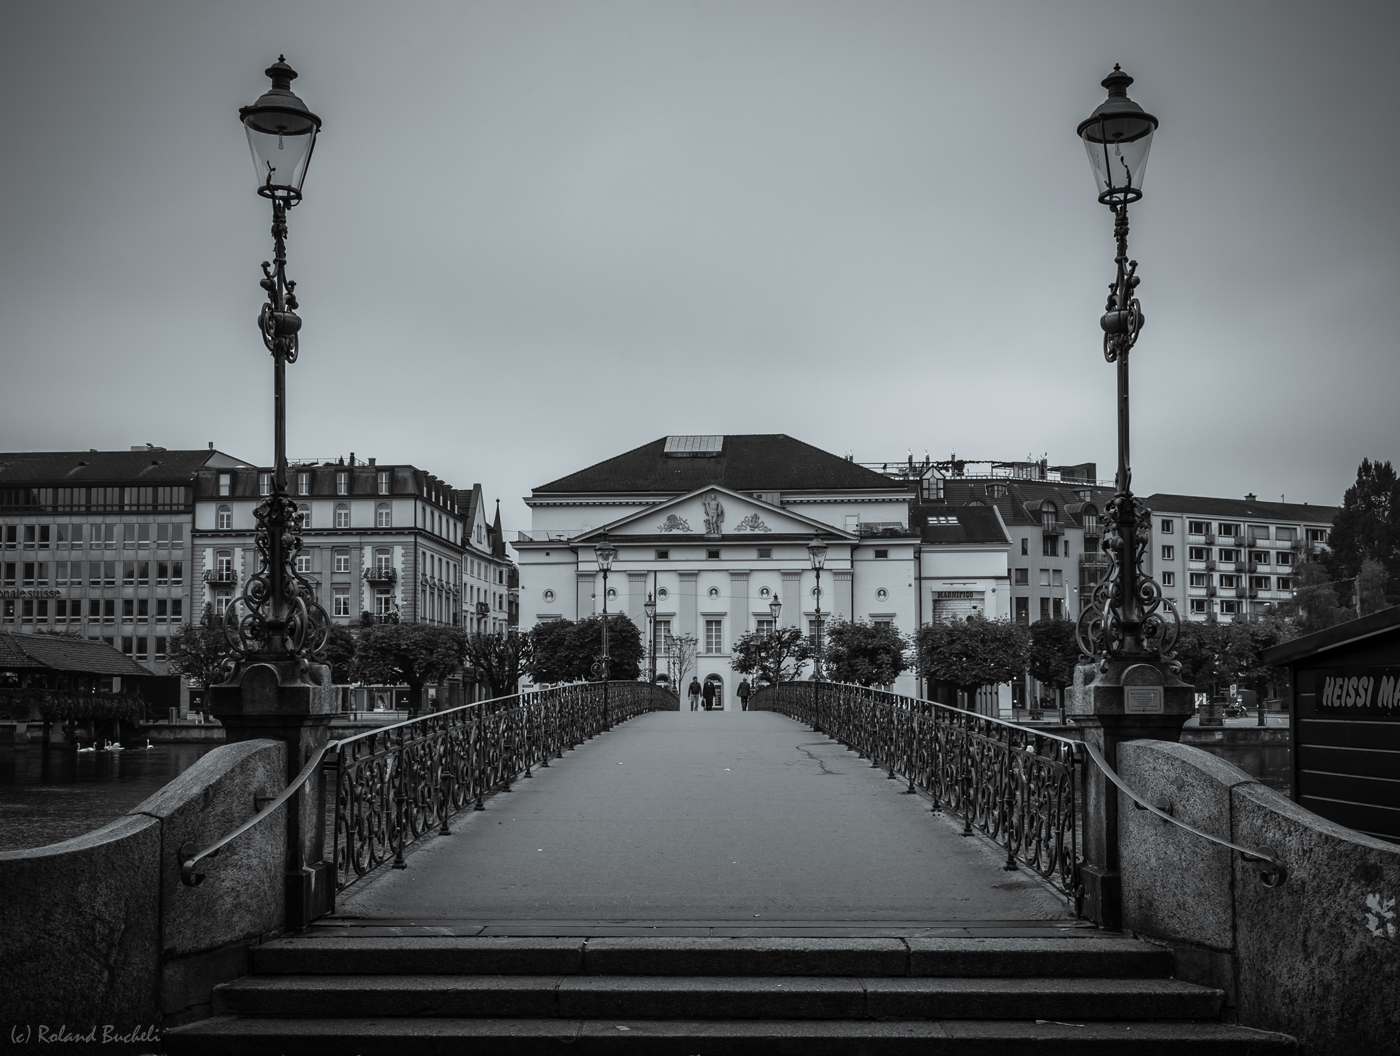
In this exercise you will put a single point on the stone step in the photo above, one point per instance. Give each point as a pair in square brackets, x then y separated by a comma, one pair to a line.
[1094, 956]
[235, 1036]
[716, 997]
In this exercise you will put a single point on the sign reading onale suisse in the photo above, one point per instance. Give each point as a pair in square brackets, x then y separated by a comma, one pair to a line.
[26, 593]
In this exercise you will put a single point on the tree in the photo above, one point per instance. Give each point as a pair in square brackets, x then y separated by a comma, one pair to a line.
[499, 659]
[197, 650]
[681, 651]
[1053, 652]
[1314, 597]
[564, 651]
[1370, 586]
[340, 654]
[868, 655]
[972, 653]
[1367, 526]
[413, 653]
[776, 656]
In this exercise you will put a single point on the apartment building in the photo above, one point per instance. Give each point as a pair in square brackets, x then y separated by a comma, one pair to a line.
[380, 543]
[99, 543]
[1230, 559]
[490, 580]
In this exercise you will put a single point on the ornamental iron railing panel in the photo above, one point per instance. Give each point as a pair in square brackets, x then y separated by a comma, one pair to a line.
[402, 782]
[1016, 785]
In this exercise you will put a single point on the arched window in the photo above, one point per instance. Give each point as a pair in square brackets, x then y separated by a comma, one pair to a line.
[225, 518]
[223, 559]
[1091, 520]
[383, 560]
[342, 515]
[1049, 516]
[382, 517]
[304, 515]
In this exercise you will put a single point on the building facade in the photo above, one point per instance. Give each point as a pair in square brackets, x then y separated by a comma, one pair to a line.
[1232, 559]
[380, 543]
[490, 580]
[100, 543]
[716, 528]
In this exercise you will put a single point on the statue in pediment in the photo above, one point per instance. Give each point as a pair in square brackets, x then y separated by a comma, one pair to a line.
[714, 515]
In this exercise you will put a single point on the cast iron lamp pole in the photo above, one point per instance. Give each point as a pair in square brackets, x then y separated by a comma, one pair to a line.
[650, 609]
[775, 609]
[604, 552]
[1129, 618]
[277, 617]
[816, 550]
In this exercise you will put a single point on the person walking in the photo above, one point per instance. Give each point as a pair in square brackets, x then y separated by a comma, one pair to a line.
[693, 692]
[709, 695]
[744, 690]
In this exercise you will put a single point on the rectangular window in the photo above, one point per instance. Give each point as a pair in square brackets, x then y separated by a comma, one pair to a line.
[1200, 606]
[143, 573]
[143, 609]
[8, 608]
[162, 609]
[714, 636]
[264, 484]
[1229, 554]
[128, 610]
[128, 644]
[1283, 558]
[303, 563]
[1229, 530]
[662, 630]
[177, 535]
[342, 561]
[177, 609]
[225, 485]
[1057, 578]
[1259, 557]
[1259, 582]
[765, 553]
[1168, 579]
[1198, 527]
[160, 648]
[382, 481]
[109, 536]
[1229, 607]
[1199, 553]
[222, 600]
[43, 537]
[1317, 535]
[1023, 577]
[1168, 527]
[128, 535]
[1258, 532]
[1025, 546]
[109, 611]
[28, 574]
[881, 555]
[1023, 610]
[1285, 535]
[1059, 608]
[162, 573]
[1285, 582]
[303, 482]
[109, 573]
[1168, 553]
[1229, 581]
[30, 537]
[711, 555]
[342, 482]
[94, 609]
[128, 573]
[60, 610]
[1044, 608]
[10, 573]
[1044, 577]
[60, 573]
[141, 647]
[1049, 546]
[1200, 579]
[383, 603]
[177, 573]
[340, 601]
[661, 555]
[763, 626]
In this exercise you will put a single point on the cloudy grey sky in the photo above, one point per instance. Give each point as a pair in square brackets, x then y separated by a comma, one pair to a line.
[537, 234]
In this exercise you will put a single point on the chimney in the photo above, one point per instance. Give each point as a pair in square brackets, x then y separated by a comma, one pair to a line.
[371, 461]
[352, 458]
[1249, 497]
[211, 445]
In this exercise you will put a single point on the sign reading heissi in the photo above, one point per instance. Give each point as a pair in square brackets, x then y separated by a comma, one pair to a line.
[1374, 691]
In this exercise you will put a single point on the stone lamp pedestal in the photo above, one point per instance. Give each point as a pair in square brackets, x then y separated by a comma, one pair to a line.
[289, 701]
[1132, 700]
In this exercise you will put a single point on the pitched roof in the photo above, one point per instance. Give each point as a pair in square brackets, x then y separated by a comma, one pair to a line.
[964, 524]
[745, 462]
[59, 652]
[148, 465]
[1244, 509]
[1382, 622]
[1019, 500]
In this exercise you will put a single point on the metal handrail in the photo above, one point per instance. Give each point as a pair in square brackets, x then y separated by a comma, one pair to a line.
[189, 857]
[1277, 872]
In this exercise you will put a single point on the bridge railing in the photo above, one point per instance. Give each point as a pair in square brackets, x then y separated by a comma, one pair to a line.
[1017, 785]
[399, 783]
[395, 784]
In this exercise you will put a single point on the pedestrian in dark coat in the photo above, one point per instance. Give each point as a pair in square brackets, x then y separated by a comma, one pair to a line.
[693, 692]
[708, 693]
[744, 690]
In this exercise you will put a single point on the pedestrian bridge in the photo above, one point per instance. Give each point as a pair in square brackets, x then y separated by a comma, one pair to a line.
[837, 869]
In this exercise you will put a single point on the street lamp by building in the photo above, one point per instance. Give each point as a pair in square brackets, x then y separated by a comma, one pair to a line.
[650, 609]
[816, 550]
[604, 553]
[1128, 618]
[775, 609]
[277, 617]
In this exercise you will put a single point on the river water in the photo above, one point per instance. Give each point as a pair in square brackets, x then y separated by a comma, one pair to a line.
[1269, 763]
[50, 796]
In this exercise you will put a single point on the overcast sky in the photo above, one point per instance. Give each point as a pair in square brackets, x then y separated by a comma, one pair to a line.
[537, 234]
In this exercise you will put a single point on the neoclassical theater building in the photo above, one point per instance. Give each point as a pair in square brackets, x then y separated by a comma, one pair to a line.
[715, 527]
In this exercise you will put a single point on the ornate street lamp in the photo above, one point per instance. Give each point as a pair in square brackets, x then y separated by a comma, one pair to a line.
[775, 608]
[277, 617]
[1128, 618]
[650, 609]
[816, 550]
[604, 553]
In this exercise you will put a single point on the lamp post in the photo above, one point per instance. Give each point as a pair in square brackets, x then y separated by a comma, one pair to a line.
[650, 609]
[604, 552]
[277, 617]
[816, 550]
[1128, 619]
[775, 609]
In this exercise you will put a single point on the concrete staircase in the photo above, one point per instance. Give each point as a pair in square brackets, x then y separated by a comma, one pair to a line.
[372, 995]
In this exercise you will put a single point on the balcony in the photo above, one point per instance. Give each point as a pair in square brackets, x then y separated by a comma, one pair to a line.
[1052, 528]
[221, 577]
[381, 575]
[1242, 592]
[1208, 538]
[1099, 559]
[1210, 566]
[1210, 592]
[482, 609]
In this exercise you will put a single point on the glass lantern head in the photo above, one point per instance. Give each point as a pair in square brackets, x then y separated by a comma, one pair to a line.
[281, 135]
[604, 552]
[1117, 137]
[775, 607]
[816, 550]
[650, 607]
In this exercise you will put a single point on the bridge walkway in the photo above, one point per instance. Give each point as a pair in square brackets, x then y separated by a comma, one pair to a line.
[697, 821]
